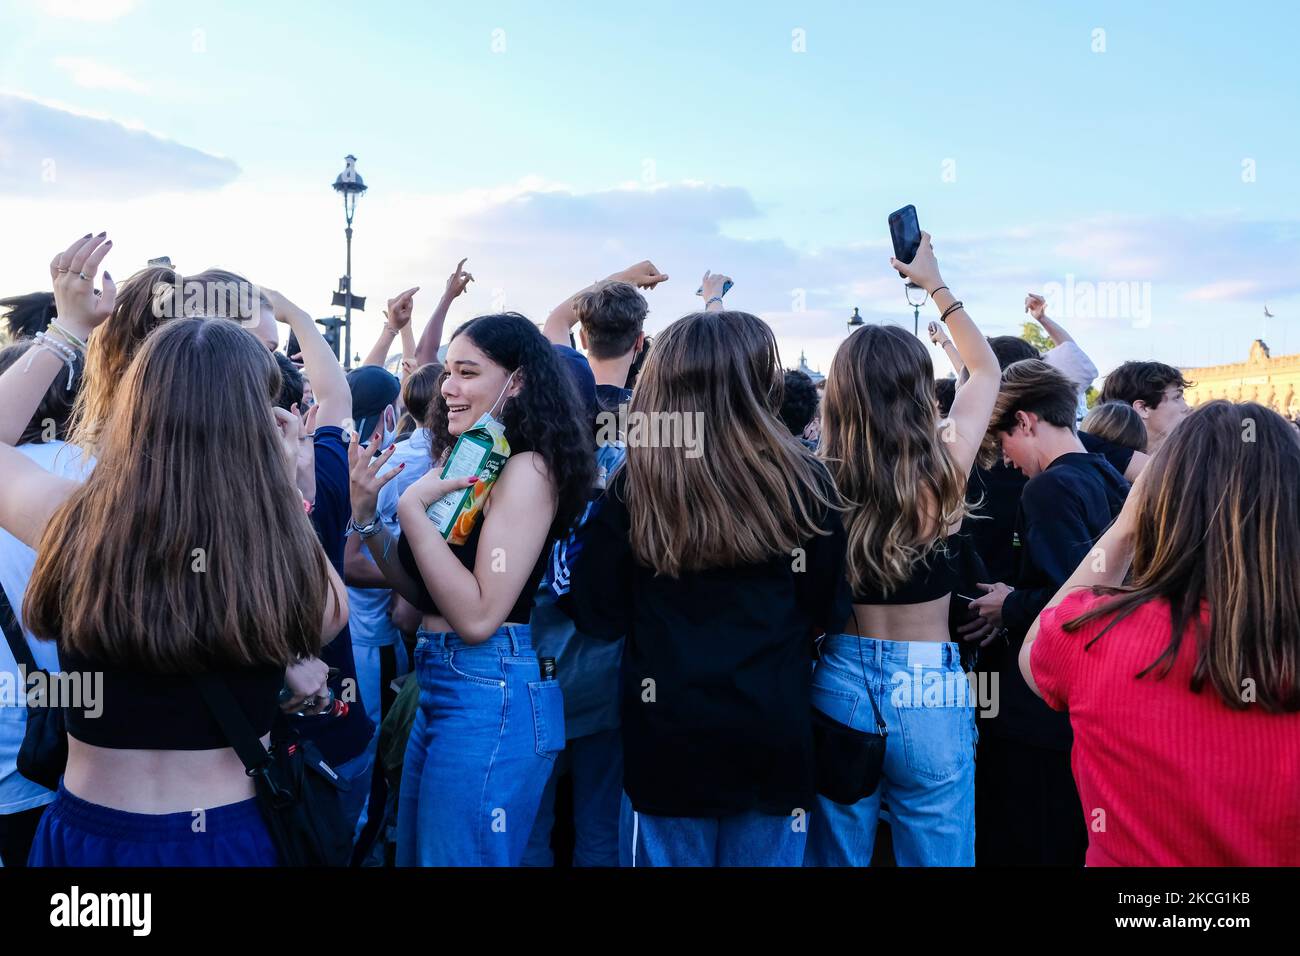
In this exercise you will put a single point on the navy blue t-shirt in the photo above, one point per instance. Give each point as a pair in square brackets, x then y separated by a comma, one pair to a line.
[339, 738]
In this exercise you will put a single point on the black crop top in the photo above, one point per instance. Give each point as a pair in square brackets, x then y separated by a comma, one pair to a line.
[133, 710]
[467, 553]
[937, 574]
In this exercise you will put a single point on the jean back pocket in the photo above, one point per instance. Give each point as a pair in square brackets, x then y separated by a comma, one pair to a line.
[548, 716]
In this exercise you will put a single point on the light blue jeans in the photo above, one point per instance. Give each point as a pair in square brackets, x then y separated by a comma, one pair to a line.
[481, 750]
[741, 839]
[928, 783]
[596, 763]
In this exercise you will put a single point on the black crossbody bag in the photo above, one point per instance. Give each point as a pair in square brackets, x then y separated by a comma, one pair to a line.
[43, 754]
[298, 793]
[848, 762]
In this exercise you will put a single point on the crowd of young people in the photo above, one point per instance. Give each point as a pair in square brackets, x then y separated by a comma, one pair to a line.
[747, 623]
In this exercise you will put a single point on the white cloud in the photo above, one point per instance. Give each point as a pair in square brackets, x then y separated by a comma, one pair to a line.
[94, 75]
[53, 152]
[93, 10]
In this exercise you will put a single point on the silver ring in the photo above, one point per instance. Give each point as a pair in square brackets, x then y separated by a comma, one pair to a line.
[309, 703]
[84, 276]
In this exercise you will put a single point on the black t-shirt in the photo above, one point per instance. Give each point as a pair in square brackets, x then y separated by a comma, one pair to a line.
[339, 738]
[991, 530]
[717, 672]
[1063, 512]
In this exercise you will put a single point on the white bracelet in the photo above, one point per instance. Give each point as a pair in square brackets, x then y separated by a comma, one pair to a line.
[49, 344]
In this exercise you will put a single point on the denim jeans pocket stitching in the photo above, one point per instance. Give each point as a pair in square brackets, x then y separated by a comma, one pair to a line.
[548, 728]
[958, 751]
[473, 678]
[844, 697]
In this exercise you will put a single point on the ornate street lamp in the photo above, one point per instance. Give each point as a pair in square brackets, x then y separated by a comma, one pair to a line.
[856, 321]
[351, 187]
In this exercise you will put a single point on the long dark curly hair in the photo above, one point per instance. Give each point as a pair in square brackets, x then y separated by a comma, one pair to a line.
[544, 417]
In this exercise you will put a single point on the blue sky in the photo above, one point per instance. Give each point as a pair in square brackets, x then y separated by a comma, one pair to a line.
[553, 144]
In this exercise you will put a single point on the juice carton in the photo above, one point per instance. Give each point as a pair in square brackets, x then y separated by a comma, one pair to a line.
[481, 450]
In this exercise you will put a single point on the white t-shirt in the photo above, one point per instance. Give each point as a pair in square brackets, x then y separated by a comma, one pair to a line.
[17, 793]
[1072, 362]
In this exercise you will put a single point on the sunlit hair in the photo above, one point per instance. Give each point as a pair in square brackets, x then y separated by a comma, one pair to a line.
[1119, 423]
[116, 576]
[1030, 385]
[145, 301]
[755, 491]
[418, 392]
[1219, 525]
[880, 437]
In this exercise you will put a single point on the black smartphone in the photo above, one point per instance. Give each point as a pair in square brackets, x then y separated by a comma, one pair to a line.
[906, 233]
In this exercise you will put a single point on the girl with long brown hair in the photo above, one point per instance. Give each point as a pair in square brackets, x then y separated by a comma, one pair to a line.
[718, 551]
[185, 552]
[903, 473]
[1183, 684]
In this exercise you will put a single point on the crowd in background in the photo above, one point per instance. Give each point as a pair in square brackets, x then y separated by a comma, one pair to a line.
[887, 618]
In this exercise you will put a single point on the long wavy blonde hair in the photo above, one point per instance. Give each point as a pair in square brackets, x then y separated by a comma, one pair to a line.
[880, 438]
[753, 491]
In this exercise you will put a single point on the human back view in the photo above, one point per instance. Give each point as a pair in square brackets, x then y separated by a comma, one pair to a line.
[903, 477]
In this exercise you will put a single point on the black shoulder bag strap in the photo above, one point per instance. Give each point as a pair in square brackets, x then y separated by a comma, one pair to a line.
[14, 634]
[239, 733]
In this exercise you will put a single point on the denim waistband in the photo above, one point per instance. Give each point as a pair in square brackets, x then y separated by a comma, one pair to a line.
[515, 638]
[909, 653]
[152, 827]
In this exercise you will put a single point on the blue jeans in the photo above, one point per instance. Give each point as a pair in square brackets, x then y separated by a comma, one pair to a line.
[928, 783]
[741, 839]
[481, 750]
[596, 762]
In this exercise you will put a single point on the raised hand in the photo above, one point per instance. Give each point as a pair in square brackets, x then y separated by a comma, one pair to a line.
[712, 284]
[365, 477]
[1035, 305]
[400, 309]
[937, 335]
[284, 309]
[82, 309]
[643, 275]
[459, 280]
[924, 268]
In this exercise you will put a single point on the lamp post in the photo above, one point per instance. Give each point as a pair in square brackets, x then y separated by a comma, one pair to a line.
[916, 306]
[351, 187]
[856, 321]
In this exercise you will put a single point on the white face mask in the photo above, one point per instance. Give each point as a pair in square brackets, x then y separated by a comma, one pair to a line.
[490, 414]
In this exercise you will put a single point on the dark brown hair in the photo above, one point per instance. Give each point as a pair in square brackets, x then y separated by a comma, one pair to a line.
[1218, 529]
[118, 577]
[612, 315]
[50, 420]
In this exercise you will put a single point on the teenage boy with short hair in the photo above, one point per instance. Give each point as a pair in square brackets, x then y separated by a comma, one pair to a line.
[1027, 807]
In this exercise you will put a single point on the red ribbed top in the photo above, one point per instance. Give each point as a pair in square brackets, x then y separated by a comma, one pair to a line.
[1167, 777]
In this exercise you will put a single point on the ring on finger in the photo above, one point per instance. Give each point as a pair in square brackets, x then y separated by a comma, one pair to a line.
[83, 276]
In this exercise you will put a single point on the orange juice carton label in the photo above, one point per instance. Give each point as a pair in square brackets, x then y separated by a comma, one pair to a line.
[481, 450]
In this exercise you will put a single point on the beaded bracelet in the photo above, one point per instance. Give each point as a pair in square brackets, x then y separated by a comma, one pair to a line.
[48, 344]
[950, 310]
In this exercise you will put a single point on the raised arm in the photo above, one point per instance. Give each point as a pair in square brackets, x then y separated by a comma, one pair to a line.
[940, 338]
[397, 321]
[80, 309]
[1036, 306]
[712, 288]
[329, 383]
[564, 316]
[975, 398]
[426, 350]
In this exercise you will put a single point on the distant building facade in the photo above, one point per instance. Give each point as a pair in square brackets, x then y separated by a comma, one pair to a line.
[1262, 378]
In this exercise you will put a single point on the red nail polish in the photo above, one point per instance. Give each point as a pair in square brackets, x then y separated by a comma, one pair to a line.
[401, 466]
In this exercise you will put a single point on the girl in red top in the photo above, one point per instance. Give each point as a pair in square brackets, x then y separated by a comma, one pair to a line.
[1183, 686]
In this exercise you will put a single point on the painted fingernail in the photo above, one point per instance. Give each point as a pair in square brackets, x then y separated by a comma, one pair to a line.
[86, 236]
[102, 234]
[401, 466]
[107, 276]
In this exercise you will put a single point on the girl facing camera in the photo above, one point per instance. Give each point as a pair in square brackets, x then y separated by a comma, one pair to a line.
[164, 564]
[489, 725]
[1183, 684]
[719, 561]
